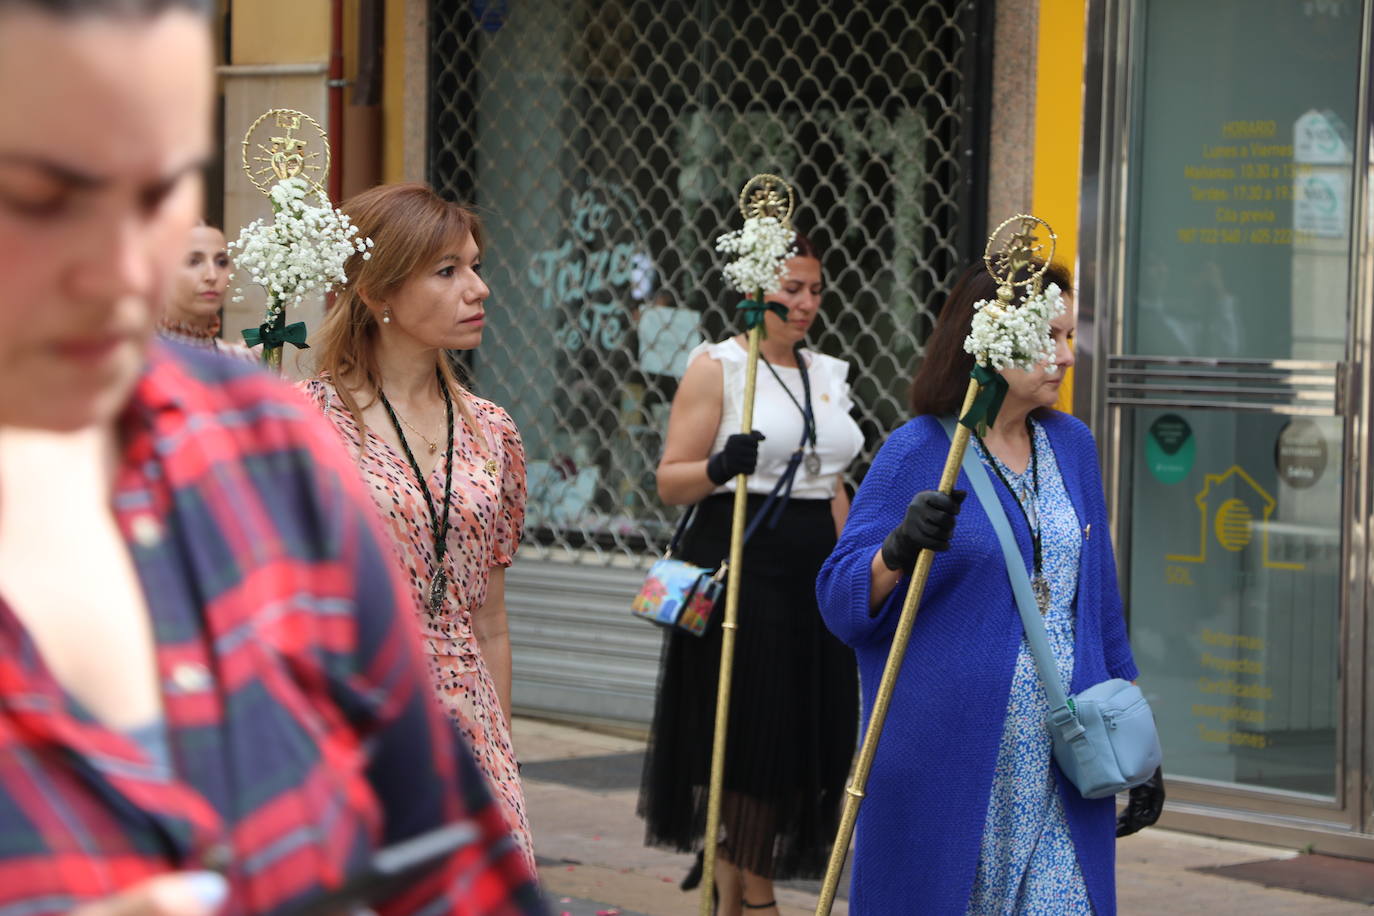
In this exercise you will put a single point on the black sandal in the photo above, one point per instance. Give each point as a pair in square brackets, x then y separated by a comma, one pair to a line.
[757, 906]
[693, 879]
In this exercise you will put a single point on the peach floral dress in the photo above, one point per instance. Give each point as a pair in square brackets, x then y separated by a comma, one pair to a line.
[488, 507]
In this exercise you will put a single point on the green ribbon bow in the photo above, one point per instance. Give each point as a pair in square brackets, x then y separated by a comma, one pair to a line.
[989, 400]
[753, 311]
[271, 336]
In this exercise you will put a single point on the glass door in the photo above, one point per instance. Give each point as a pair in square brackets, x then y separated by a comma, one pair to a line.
[1226, 384]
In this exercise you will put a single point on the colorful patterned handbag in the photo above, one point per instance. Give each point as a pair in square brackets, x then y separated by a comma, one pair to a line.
[679, 594]
[676, 593]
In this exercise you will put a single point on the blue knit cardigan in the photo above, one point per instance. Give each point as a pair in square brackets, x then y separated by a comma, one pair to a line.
[921, 823]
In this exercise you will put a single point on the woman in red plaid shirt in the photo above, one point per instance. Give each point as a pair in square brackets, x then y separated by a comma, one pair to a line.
[206, 661]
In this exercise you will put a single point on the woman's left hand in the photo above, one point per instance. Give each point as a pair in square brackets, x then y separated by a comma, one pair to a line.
[1143, 808]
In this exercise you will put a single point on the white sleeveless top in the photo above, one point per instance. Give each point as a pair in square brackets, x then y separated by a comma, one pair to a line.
[838, 439]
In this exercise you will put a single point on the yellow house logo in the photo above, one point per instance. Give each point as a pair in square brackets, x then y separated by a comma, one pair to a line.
[1233, 522]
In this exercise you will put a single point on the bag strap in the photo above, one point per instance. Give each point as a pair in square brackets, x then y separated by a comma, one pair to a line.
[1061, 710]
[776, 501]
[778, 498]
[681, 529]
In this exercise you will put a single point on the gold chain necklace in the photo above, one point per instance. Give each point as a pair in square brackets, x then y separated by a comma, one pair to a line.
[433, 446]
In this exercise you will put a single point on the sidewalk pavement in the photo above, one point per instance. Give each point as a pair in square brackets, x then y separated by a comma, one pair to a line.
[581, 788]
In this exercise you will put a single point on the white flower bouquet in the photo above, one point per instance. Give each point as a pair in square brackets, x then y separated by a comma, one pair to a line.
[1003, 336]
[302, 250]
[760, 249]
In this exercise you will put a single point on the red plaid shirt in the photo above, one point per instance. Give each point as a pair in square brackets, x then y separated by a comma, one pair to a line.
[300, 722]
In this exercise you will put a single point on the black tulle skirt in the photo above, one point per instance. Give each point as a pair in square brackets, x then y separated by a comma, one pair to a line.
[793, 708]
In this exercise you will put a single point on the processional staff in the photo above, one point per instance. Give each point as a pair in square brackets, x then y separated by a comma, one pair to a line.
[761, 248]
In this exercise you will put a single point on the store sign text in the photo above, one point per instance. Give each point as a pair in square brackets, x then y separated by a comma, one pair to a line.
[598, 259]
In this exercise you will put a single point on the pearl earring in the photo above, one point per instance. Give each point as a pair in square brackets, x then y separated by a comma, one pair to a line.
[386, 316]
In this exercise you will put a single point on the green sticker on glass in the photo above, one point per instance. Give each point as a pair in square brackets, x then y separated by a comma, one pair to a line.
[1170, 448]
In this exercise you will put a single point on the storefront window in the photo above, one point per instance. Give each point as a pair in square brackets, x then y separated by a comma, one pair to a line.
[1235, 593]
[1238, 300]
[604, 144]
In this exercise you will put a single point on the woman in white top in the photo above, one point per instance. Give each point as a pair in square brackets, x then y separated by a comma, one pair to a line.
[794, 703]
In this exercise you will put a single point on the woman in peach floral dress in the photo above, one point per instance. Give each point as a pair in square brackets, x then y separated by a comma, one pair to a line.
[445, 467]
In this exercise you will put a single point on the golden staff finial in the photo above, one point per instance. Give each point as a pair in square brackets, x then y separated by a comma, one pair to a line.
[281, 153]
[763, 195]
[1019, 251]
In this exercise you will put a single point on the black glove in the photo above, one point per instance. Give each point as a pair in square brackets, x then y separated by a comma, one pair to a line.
[928, 525]
[739, 456]
[1144, 806]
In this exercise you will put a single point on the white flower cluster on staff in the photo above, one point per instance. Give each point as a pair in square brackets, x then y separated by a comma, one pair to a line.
[1005, 336]
[302, 250]
[760, 250]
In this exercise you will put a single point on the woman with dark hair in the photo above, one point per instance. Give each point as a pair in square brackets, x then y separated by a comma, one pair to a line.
[963, 780]
[794, 701]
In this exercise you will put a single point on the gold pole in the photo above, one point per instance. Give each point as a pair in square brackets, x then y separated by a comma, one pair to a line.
[273, 357]
[854, 793]
[728, 627]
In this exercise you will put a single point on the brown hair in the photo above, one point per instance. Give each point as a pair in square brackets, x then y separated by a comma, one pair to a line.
[410, 227]
[942, 379]
[805, 247]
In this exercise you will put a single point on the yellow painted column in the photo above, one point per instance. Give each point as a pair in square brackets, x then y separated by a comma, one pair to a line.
[1060, 52]
[272, 32]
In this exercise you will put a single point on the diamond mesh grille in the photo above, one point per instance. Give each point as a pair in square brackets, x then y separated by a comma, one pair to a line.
[603, 144]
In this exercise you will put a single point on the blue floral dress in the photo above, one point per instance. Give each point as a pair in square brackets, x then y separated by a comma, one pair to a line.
[1027, 864]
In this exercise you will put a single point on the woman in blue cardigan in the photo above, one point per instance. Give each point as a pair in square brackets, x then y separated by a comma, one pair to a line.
[965, 811]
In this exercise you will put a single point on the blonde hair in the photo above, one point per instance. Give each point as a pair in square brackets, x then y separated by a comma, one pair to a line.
[410, 227]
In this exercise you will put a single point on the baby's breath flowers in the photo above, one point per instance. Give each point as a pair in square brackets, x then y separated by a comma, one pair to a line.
[760, 249]
[302, 250]
[1005, 336]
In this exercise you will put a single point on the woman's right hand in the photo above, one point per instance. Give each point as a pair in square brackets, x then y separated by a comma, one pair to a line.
[739, 455]
[929, 525]
[181, 894]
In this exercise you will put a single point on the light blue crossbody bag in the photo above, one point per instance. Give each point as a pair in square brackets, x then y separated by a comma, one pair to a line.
[1104, 738]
